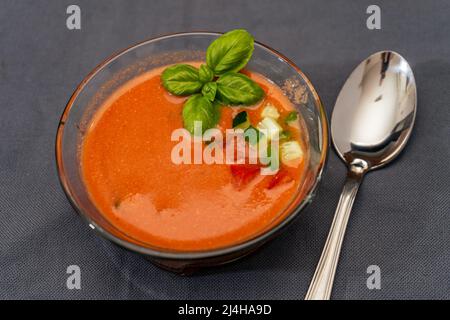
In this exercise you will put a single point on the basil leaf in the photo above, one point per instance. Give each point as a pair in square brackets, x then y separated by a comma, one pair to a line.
[205, 74]
[236, 89]
[181, 80]
[230, 52]
[199, 109]
[209, 90]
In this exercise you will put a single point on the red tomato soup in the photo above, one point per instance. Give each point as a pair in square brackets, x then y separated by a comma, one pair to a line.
[129, 174]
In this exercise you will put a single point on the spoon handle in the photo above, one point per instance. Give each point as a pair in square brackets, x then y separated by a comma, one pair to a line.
[322, 282]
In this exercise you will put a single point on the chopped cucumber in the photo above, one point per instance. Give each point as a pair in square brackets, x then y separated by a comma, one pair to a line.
[271, 126]
[251, 133]
[270, 111]
[291, 117]
[290, 151]
[241, 121]
[285, 135]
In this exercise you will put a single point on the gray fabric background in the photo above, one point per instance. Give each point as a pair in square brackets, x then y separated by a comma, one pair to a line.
[400, 220]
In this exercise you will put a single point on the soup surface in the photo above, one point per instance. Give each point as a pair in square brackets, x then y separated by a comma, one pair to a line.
[130, 176]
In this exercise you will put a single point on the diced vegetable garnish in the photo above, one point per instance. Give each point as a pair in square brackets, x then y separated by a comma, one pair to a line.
[291, 117]
[282, 176]
[270, 111]
[241, 121]
[244, 173]
[258, 134]
[271, 126]
[290, 151]
[285, 135]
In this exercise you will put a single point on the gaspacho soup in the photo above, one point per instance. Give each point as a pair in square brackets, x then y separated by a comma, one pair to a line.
[130, 174]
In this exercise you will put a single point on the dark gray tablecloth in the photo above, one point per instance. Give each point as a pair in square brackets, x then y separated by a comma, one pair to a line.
[400, 220]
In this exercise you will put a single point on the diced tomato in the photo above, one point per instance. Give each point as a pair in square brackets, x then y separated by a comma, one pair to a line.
[244, 173]
[281, 177]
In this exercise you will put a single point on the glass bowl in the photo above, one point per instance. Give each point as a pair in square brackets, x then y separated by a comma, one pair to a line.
[129, 63]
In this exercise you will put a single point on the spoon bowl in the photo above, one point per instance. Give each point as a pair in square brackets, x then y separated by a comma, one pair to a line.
[375, 110]
[371, 122]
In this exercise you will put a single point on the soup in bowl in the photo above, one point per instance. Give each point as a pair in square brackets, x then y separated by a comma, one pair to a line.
[137, 168]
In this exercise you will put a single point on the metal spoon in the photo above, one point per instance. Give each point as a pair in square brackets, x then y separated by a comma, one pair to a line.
[371, 123]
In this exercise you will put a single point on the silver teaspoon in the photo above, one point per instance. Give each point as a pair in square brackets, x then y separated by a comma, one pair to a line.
[371, 123]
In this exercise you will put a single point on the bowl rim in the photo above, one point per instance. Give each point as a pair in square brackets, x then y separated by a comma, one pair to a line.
[190, 255]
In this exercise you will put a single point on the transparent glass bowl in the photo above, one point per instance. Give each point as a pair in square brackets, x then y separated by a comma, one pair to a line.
[138, 59]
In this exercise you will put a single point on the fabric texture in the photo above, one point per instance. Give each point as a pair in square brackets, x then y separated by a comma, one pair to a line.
[400, 220]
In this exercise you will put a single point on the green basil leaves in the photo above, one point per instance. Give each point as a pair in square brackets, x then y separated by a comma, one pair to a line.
[209, 90]
[216, 82]
[238, 89]
[198, 110]
[181, 80]
[230, 52]
[205, 74]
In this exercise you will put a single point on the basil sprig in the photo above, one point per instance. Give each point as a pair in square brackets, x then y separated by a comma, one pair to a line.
[181, 80]
[199, 109]
[205, 73]
[237, 89]
[209, 90]
[215, 83]
[230, 52]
